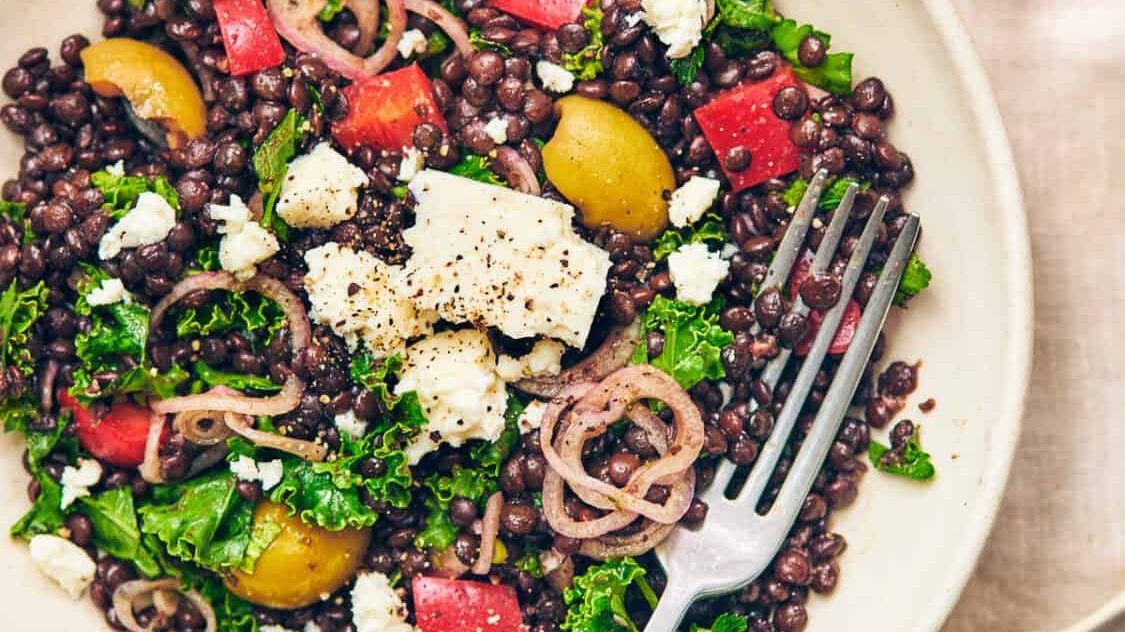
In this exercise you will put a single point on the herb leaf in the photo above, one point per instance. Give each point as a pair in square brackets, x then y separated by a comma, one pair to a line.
[834, 75]
[596, 600]
[915, 278]
[121, 192]
[693, 340]
[246, 313]
[331, 9]
[19, 311]
[710, 231]
[476, 168]
[829, 200]
[271, 161]
[586, 64]
[114, 519]
[686, 68]
[45, 515]
[909, 460]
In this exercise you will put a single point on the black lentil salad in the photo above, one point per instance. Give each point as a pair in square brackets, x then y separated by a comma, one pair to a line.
[224, 455]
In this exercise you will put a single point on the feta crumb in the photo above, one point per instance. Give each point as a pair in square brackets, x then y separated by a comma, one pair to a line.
[545, 358]
[64, 562]
[555, 78]
[678, 23]
[245, 243]
[412, 42]
[273, 628]
[696, 272]
[77, 481]
[633, 19]
[116, 169]
[150, 221]
[497, 130]
[110, 291]
[532, 416]
[376, 607]
[413, 161]
[692, 200]
[351, 425]
[244, 468]
[268, 473]
[454, 375]
[319, 189]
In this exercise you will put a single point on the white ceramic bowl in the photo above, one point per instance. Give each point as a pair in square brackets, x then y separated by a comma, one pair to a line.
[911, 547]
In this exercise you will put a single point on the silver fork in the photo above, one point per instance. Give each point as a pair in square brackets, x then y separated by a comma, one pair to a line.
[735, 544]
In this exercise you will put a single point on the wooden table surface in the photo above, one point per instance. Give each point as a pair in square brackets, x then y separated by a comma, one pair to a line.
[1058, 549]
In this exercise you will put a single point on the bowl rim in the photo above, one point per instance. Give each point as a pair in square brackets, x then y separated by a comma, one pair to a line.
[1019, 281]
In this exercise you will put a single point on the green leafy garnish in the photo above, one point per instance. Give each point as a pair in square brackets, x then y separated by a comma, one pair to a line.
[231, 613]
[586, 64]
[596, 600]
[727, 622]
[271, 161]
[910, 461]
[326, 494]
[17, 212]
[490, 455]
[710, 230]
[686, 68]
[476, 485]
[834, 75]
[19, 311]
[247, 313]
[476, 168]
[829, 200]
[237, 381]
[480, 43]
[331, 9]
[693, 340]
[45, 514]
[915, 278]
[116, 531]
[754, 15]
[121, 192]
[373, 375]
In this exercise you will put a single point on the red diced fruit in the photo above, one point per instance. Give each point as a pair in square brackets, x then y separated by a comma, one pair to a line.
[456, 605]
[118, 437]
[384, 110]
[548, 14]
[848, 324]
[743, 117]
[249, 38]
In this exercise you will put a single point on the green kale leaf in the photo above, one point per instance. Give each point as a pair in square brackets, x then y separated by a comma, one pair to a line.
[324, 494]
[373, 375]
[686, 68]
[693, 340]
[596, 600]
[19, 311]
[477, 41]
[490, 455]
[476, 168]
[114, 518]
[475, 484]
[834, 75]
[753, 15]
[586, 64]
[271, 162]
[915, 278]
[238, 381]
[121, 192]
[910, 460]
[247, 313]
[45, 514]
[709, 231]
[17, 212]
[829, 200]
[727, 622]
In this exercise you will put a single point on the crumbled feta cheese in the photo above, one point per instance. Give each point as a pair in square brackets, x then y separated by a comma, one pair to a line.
[633, 19]
[454, 375]
[245, 243]
[150, 221]
[696, 272]
[362, 299]
[319, 189]
[77, 481]
[64, 562]
[268, 473]
[412, 42]
[110, 291]
[351, 425]
[376, 607]
[116, 169]
[273, 628]
[678, 23]
[492, 256]
[413, 161]
[497, 130]
[692, 200]
[532, 416]
[555, 78]
[545, 358]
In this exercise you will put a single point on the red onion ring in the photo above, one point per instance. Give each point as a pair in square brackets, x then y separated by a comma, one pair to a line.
[307, 450]
[614, 353]
[366, 14]
[490, 527]
[150, 466]
[127, 593]
[297, 22]
[190, 425]
[518, 171]
[614, 546]
[47, 385]
[396, 19]
[446, 21]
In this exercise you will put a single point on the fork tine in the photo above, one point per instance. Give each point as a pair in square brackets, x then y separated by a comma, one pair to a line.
[763, 468]
[813, 451]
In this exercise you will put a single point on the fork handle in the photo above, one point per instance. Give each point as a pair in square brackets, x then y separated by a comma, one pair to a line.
[674, 603]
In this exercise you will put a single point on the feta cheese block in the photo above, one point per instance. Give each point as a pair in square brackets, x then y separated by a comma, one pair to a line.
[412, 42]
[531, 417]
[678, 23]
[245, 243]
[319, 189]
[692, 200]
[554, 77]
[363, 299]
[64, 562]
[454, 376]
[149, 221]
[492, 256]
[108, 292]
[545, 358]
[696, 272]
[376, 606]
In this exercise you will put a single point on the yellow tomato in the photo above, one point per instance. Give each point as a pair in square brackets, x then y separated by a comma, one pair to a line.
[157, 86]
[302, 564]
[610, 167]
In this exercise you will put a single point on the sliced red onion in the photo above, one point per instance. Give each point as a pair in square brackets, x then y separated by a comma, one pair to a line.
[614, 353]
[296, 21]
[615, 546]
[518, 171]
[366, 14]
[396, 20]
[490, 527]
[47, 385]
[129, 594]
[446, 21]
[150, 466]
[193, 426]
[307, 450]
[558, 569]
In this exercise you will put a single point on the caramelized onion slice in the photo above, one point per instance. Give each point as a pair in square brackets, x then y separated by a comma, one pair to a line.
[307, 450]
[614, 353]
[489, 529]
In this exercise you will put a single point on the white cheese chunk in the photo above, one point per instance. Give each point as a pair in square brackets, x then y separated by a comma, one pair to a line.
[108, 292]
[351, 425]
[376, 607]
[116, 169]
[692, 200]
[496, 257]
[64, 562]
[150, 221]
[412, 42]
[497, 130]
[678, 23]
[245, 243]
[319, 189]
[268, 473]
[362, 299]
[555, 78]
[696, 272]
[545, 358]
[532, 416]
[413, 161]
[77, 481]
[454, 375]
